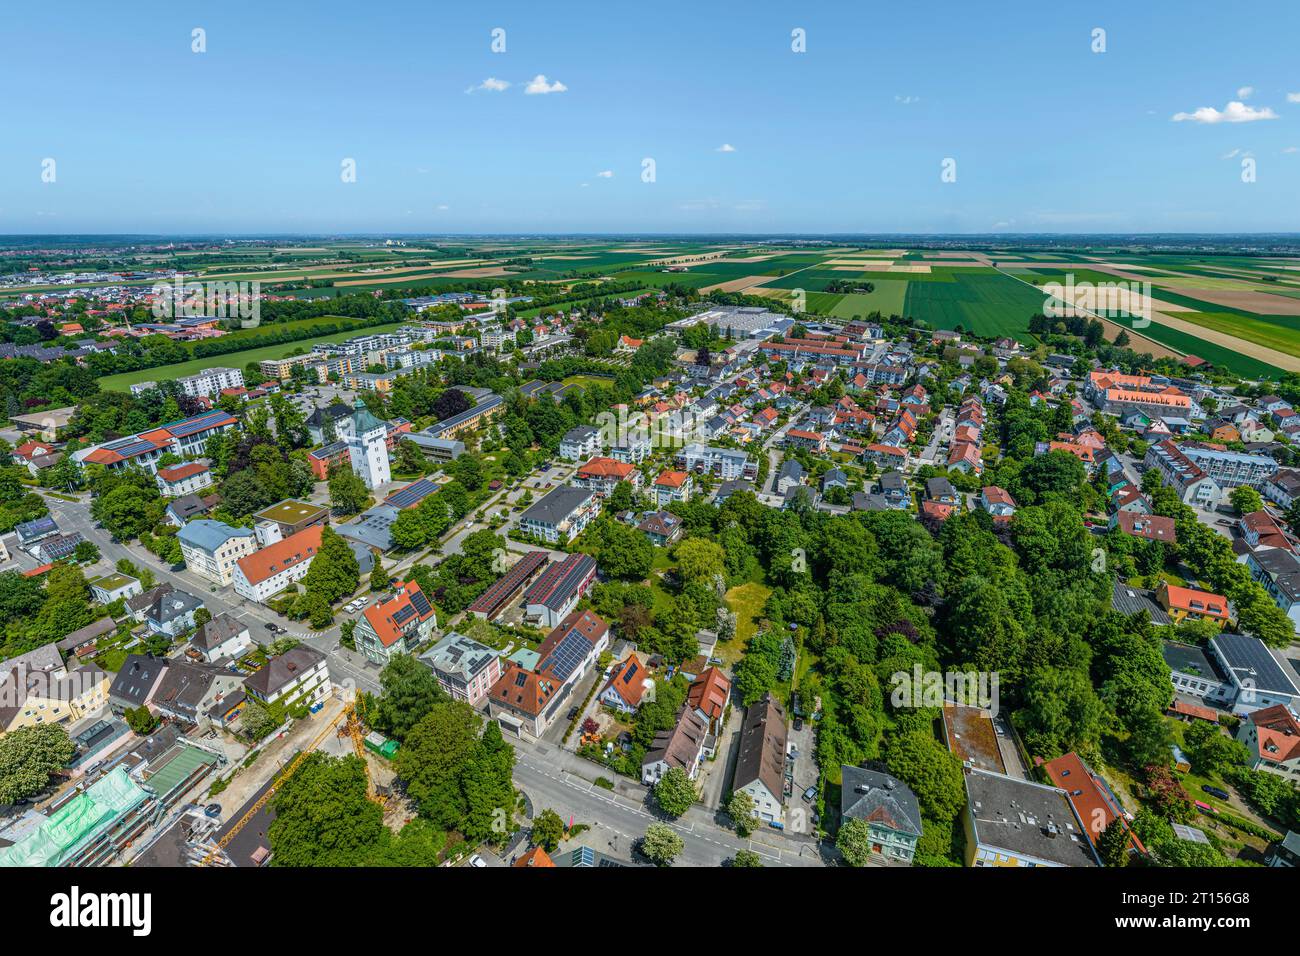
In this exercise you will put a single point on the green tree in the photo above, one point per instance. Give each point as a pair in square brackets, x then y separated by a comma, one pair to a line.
[433, 758]
[28, 756]
[548, 830]
[1112, 845]
[409, 693]
[675, 792]
[740, 807]
[699, 559]
[854, 842]
[348, 493]
[334, 571]
[141, 720]
[746, 858]
[932, 772]
[322, 814]
[661, 844]
[1246, 500]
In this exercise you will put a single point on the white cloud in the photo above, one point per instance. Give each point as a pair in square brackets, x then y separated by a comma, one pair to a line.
[490, 85]
[1234, 112]
[1292, 149]
[538, 85]
[725, 148]
[906, 100]
[1293, 97]
[751, 205]
[606, 174]
[1245, 92]
[443, 207]
[1233, 154]
[696, 205]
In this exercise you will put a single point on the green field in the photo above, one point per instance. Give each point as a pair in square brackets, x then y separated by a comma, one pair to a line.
[991, 305]
[124, 380]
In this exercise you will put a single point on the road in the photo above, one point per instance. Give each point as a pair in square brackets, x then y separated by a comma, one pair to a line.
[543, 774]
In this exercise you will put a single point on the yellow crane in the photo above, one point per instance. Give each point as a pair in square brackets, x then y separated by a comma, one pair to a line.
[353, 727]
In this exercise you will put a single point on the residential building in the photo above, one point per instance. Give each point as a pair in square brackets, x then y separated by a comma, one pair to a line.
[135, 683]
[298, 677]
[888, 807]
[1149, 527]
[1183, 603]
[601, 475]
[680, 747]
[36, 696]
[561, 515]
[724, 463]
[172, 612]
[672, 486]
[789, 476]
[186, 479]
[1013, 822]
[662, 528]
[398, 623]
[466, 669]
[558, 589]
[211, 381]
[212, 548]
[186, 438]
[1118, 394]
[528, 700]
[760, 761]
[629, 683]
[265, 573]
[709, 696]
[503, 590]
[288, 518]
[998, 503]
[222, 638]
[109, 587]
[1095, 803]
[1272, 735]
[580, 443]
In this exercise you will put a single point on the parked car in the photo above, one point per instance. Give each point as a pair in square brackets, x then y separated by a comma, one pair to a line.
[477, 860]
[572, 714]
[798, 723]
[1215, 791]
[810, 794]
[270, 627]
[213, 810]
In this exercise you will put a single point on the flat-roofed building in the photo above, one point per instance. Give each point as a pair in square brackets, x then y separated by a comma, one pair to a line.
[1018, 823]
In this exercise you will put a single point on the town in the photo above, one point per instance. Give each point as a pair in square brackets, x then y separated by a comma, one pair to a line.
[599, 575]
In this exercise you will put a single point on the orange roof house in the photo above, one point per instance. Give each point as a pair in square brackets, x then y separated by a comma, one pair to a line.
[536, 857]
[1093, 800]
[1181, 603]
[281, 555]
[709, 694]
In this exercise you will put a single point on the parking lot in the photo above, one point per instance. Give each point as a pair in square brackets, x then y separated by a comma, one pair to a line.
[805, 775]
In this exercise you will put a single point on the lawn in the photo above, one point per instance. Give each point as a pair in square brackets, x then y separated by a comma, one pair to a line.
[123, 380]
[747, 600]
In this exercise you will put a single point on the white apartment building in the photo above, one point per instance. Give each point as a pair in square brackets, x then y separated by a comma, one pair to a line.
[211, 381]
[212, 549]
[264, 574]
[299, 676]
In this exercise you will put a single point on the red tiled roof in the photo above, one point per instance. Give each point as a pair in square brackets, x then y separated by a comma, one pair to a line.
[293, 550]
[381, 615]
[606, 468]
[629, 679]
[671, 479]
[709, 693]
[181, 472]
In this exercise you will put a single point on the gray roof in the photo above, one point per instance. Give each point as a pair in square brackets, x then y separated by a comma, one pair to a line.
[208, 535]
[1250, 660]
[791, 469]
[282, 670]
[557, 505]
[458, 656]
[216, 632]
[136, 678]
[879, 798]
[1191, 660]
[581, 433]
[84, 635]
[187, 507]
[938, 487]
[172, 605]
[892, 481]
[1283, 569]
[1128, 599]
[372, 528]
[1026, 819]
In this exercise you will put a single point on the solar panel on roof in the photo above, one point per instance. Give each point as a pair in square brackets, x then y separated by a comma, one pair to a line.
[567, 655]
[629, 672]
[403, 614]
[421, 603]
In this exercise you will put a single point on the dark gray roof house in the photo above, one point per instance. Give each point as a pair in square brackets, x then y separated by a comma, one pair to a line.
[880, 799]
[135, 682]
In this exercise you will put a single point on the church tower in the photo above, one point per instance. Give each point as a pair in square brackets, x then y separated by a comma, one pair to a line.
[368, 448]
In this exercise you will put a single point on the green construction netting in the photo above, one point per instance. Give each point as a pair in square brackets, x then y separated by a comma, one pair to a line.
[76, 822]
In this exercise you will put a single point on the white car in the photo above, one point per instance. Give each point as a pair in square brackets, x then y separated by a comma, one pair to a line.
[477, 860]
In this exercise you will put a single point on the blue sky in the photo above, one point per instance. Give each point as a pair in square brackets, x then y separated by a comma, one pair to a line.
[848, 136]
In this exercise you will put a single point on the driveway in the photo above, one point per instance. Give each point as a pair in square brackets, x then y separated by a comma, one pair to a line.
[798, 818]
